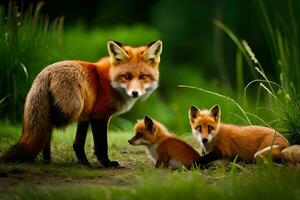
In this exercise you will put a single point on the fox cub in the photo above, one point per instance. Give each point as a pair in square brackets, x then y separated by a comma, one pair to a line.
[220, 140]
[162, 146]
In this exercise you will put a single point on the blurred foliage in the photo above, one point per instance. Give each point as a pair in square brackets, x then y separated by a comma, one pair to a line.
[191, 37]
[196, 52]
[82, 44]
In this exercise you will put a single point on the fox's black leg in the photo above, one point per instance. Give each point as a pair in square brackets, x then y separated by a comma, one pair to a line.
[99, 128]
[207, 158]
[78, 146]
[47, 151]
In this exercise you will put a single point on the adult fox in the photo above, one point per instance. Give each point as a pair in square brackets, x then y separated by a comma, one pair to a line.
[89, 93]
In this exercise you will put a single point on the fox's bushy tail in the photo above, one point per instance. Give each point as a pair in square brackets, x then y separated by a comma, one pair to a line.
[37, 126]
[27, 149]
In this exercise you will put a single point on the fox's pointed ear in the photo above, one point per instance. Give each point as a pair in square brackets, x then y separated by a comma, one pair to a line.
[116, 53]
[152, 54]
[193, 113]
[149, 124]
[215, 112]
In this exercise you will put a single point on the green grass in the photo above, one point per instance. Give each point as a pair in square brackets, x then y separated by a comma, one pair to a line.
[178, 185]
[64, 179]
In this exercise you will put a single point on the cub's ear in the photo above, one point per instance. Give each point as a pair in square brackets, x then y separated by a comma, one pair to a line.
[116, 53]
[215, 113]
[149, 124]
[152, 54]
[193, 113]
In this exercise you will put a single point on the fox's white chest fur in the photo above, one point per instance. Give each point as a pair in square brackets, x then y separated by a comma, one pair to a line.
[152, 150]
[125, 105]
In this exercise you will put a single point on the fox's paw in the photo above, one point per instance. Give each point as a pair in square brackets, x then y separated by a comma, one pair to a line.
[84, 163]
[110, 164]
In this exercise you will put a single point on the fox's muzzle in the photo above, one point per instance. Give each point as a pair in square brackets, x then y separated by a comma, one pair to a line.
[135, 94]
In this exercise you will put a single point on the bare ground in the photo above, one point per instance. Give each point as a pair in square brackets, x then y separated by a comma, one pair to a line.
[72, 173]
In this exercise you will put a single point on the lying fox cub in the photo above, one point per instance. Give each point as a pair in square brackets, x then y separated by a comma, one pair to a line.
[163, 147]
[220, 140]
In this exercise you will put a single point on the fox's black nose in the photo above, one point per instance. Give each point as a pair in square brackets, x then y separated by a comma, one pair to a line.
[204, 140]
[129, 141]
[135, 94]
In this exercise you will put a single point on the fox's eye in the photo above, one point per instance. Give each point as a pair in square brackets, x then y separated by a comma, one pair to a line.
[139, 134]
[199, 128]
[143, 76]
[210, 128]
[126, 76]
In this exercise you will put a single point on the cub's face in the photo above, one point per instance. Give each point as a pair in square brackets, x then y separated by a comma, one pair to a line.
[145, 132]
[204, 123]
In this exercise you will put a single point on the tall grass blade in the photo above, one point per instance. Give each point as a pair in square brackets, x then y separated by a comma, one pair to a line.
[25, 70]
[219, 95]
[3, 99]
[235, 40]
[239, 73]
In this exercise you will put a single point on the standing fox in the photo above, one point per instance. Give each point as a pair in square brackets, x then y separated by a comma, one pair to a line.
[163, 147]
[220, 140]
[89, 93]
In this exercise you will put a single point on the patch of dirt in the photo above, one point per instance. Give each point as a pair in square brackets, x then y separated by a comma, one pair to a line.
[66, 173]
[15, 176]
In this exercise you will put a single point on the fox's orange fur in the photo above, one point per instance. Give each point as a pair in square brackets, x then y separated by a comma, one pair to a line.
[227, 140]
[163, 147]
[70, 91]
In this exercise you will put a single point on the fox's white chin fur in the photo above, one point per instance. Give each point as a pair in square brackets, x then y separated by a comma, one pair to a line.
[142, 94]
[141, 142]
